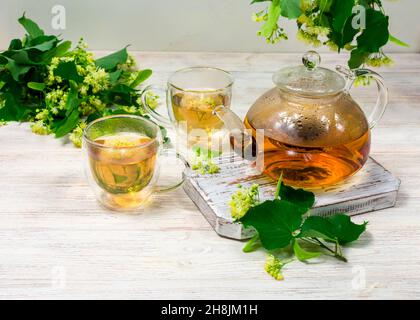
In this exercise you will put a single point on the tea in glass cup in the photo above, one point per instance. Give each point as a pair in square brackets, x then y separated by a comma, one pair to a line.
[193, 94]
[196, 109]
[122, 160]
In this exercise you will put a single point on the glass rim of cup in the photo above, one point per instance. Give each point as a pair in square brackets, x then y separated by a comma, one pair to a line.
[131, 116]
[227, 73]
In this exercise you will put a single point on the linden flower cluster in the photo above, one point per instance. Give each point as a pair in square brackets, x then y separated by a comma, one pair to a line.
[277, 33]
[243, 200]
[204, 166]
[312, 34]
[94, 83]
[378, 60]
[273, 267]
[77, 134]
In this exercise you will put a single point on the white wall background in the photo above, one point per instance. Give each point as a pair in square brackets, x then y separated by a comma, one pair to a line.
[178, 25]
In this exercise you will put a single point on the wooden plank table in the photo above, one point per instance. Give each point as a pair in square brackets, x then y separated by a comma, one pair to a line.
[57, 242]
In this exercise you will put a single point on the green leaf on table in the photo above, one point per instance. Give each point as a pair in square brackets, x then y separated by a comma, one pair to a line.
[31, 27]
[120, 94]
[142, 76]
[48, 44]
[13, 109]
[22, 58]
[302, 254]
[275, 221]
[68, 71]
[37, 86]
[72, 117]
[338, 228]
[115, 76]
[290, 8]
[111, 61]
[68, 124]
[58, 51]
[16, 70]
[300, 197]
[252, 244]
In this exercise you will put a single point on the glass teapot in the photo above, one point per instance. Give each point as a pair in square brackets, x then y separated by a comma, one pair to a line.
[315, 134]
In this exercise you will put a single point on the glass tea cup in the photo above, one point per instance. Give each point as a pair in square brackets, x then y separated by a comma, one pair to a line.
[122, 161]
[192, 96]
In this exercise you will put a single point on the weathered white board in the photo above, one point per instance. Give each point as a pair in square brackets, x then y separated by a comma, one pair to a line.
[372, 188]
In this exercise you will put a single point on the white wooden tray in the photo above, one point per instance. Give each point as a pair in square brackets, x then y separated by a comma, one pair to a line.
[372, 188]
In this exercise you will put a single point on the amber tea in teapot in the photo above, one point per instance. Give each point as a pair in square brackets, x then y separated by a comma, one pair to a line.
[314, 133]
[307, 151]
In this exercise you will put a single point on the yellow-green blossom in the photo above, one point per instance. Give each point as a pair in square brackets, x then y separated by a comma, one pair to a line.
[305, 20]
[379, 61]
[40, 128]
[332, 45]
[152, 100]
[273, 267]
[308, 38]
[364, 80]
[97, 79]
[260, 16]
[56, 99]
[317, 30]
[307, 5]
[42, 115]
[243, 200]
[203, 163]
[77, 134]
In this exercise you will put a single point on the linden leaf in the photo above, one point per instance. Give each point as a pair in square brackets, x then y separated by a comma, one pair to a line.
[111, 61]
[31, 27]
[72, 118]
[376, 33]
[141, 77]
[68, 71]
[275, 221]
[338, 228]
[273, 15]
[341, 11]
[300, 197]
[302, 254]
[290, 9]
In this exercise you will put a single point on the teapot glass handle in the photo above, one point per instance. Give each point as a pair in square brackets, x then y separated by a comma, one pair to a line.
[382, 100]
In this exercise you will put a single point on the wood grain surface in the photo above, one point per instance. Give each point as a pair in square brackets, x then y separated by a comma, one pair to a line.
[57, 242]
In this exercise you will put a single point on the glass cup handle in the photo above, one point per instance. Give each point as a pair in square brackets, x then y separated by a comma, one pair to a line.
[161, 120]
[172, 152]
[382, 100]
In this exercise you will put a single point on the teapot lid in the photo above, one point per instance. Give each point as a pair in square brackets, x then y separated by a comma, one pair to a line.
[309, 79]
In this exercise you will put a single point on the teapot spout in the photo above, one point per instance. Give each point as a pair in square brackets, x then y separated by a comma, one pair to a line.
[241, 139]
